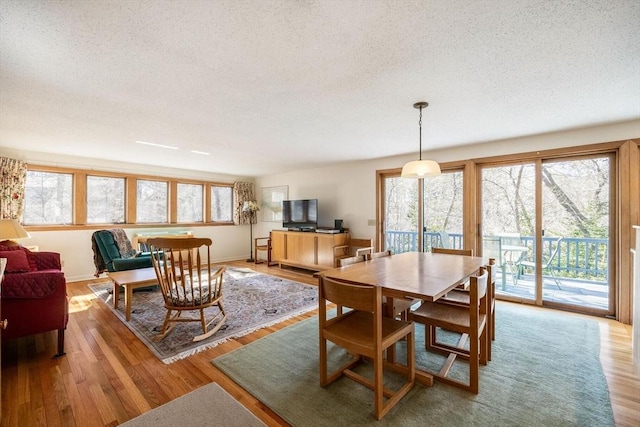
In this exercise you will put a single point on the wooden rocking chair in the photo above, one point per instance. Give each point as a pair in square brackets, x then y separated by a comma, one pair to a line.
[188, 283]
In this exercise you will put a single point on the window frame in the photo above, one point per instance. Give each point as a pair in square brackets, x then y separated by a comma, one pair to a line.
[86, 178]
[79, 191]
[174, 209]
[208, 209]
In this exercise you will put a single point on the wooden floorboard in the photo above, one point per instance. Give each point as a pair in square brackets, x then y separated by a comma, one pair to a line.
[108, 376]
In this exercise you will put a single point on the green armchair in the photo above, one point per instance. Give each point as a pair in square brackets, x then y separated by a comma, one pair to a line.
[112, 251]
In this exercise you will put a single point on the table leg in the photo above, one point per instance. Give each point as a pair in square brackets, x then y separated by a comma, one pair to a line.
[128, 296]
[422, 377]
[116, 294]
[391, 351]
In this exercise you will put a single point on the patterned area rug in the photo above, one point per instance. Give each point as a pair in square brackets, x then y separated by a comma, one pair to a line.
[251, 300]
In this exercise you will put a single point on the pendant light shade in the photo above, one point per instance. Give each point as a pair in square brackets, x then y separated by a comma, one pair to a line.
[420, 168]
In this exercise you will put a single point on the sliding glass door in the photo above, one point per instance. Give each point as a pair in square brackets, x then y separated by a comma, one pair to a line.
[508, 224]
[420, 214]
[547, 223]
[442, 211]
[576, 218]
[399, 212]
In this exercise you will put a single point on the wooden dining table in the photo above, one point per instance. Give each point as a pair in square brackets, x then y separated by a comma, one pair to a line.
[420, 275]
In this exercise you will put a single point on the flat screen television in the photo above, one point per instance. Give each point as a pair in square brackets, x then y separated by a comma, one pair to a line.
[300, 214]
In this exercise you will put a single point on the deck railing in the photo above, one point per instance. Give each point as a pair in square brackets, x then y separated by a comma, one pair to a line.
[583, 258]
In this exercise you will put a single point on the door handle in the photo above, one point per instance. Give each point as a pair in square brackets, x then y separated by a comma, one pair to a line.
[3, 324]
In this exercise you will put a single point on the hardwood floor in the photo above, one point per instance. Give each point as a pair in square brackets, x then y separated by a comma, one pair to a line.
[108, 376]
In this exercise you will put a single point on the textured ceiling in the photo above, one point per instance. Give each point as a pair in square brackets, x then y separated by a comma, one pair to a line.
[271, 86]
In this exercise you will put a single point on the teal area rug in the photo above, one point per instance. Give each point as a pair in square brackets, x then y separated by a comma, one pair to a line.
[545, 372]
[251, 300]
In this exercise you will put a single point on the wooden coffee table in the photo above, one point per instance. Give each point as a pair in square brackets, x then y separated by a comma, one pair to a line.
[130, 280]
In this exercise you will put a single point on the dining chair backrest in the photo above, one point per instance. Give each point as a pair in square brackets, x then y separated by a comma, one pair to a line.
[357, 297]
[360, 246]
[379, 254]
[351, 260]
[464, 252]
[482, 283]
[353, 247]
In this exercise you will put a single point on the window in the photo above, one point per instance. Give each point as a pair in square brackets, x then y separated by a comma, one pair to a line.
[190, 203]
[105, 200]
[152, 201]
[221, 203]
[439, 216]
[80, 198]
[443, 210]
[400, 214]
[48, 198]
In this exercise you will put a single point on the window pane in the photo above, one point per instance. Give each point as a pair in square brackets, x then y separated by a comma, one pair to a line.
[400, 216]
[221, 204]
[509, 224]
[190, 203]
[48, 198]
[443, 211]
[105, 200]
[152, 201]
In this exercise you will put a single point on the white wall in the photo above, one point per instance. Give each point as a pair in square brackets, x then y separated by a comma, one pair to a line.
[74, 246]
[345, 191]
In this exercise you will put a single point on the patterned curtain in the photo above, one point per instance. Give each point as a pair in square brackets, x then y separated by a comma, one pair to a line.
[242, 192]
[12, 185]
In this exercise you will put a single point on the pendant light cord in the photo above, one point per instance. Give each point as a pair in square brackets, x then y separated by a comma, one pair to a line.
[420, 124]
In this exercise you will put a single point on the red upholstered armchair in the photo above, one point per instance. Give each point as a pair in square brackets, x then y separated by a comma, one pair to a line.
[34, 294]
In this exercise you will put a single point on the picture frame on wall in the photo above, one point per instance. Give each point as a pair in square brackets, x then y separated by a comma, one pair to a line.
[271, 204]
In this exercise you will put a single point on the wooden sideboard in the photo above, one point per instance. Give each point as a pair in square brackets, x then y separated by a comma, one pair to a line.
[312, 251]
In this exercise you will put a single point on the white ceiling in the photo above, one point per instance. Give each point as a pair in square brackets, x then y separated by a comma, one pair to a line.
[271, 86]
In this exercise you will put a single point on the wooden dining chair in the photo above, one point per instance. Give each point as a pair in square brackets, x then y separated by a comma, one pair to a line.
[461, 297]
[353, 247]
[363, 332]
[470, 321]
[262, 244]
[188, 282]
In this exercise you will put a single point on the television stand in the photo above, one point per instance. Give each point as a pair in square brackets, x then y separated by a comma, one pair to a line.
[305, 249]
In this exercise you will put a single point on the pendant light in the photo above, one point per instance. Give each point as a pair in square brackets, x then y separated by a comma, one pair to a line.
[420, 168]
